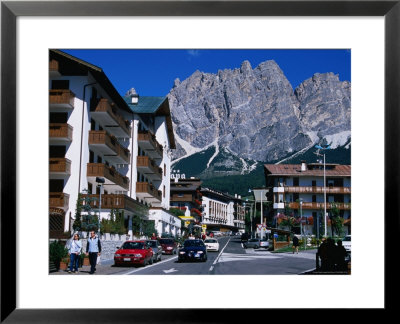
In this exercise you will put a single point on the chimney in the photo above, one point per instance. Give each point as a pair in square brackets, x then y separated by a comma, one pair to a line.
[133, 95]
[303, 166]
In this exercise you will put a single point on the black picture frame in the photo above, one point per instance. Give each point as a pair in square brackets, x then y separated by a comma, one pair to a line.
[10, 10]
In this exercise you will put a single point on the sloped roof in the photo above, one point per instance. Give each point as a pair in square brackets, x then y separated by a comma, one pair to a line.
[158, 106]
[295, 170]
[72, 65]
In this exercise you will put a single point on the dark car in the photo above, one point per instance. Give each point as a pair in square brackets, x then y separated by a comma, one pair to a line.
[244, 237]
[193, 250]
[134, 252]
[254, 243]
[157, 249]
[168, 245]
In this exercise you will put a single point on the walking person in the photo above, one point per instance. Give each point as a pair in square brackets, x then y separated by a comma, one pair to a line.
[93, 249]
[323, 254]
[74, 253]
[340, 257]
[295, 245]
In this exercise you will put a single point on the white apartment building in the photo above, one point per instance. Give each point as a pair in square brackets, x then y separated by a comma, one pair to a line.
[95, 134]
[222, 212]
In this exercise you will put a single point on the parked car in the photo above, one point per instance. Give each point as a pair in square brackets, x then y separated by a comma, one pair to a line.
[264, 243]
[347, 243]
[193, 250]
[157, 249]
[254, 243]
[134, 253]
[168, 245]
[211, 244]
[244, 237]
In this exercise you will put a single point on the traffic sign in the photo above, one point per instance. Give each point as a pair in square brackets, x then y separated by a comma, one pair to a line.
[259, 226]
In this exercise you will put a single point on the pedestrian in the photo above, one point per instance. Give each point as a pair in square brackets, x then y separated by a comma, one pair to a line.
[93, 249]
[191, 237]
[154, 237]
[295, 245]
[340, 257]
[322, 252]
[74, 253]
[331, 252]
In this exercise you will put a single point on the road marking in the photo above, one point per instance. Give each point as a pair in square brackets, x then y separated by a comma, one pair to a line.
[227, 257]
[170, 270]
[212, 268]
[148, 266]
[216, 260]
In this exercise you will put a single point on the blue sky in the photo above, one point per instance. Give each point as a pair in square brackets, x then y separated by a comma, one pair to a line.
[152, 72]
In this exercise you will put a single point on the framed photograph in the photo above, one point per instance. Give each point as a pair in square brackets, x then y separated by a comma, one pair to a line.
[369, 29]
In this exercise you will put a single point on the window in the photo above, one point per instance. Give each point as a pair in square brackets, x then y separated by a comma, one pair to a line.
[90, 188]
[296, 182]
[60, 118]
[314, 198]
[57, 151]
[56, 185]
[60, 84]
[314, 183]
[92, 125]
[91, 157]
[99, 159]
[165, 170]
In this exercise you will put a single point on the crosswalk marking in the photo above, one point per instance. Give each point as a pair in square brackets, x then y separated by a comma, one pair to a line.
[227, 257]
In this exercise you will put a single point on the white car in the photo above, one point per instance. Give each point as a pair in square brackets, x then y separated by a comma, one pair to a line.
[346, 242]
[211, 244]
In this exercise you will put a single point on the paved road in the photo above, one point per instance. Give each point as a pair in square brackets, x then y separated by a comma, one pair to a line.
[232, 259]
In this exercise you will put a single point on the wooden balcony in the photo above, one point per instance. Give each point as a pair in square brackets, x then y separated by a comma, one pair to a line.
[61, 100]
[182, 198]
[54, 69]
[108, 145]
[148, 191]
[106, 114]
[148, 167]
[113, 179]
[147, 141]
[318, 190]
[60, 166]
[58, 200]
[116, 201]
[319, 205]
[60, 132]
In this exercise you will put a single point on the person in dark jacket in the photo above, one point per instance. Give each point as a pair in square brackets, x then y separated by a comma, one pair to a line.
[93, 249]
[295, 245]
[323, 254]
[331, 253]
[340, 257]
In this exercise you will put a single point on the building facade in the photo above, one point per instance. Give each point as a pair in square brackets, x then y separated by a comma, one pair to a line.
[291, 184]
[96, 149]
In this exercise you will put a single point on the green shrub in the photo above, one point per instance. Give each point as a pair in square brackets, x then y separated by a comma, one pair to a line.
[57, 251]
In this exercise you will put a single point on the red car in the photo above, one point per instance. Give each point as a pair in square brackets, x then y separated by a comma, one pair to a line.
[134, 252]
[168, 245]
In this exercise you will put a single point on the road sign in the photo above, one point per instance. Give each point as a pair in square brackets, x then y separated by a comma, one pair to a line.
[259, 226]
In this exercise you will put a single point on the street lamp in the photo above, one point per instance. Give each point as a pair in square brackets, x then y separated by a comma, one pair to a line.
[317, 153]
[258, 195]
[251, 216]
[100, 182]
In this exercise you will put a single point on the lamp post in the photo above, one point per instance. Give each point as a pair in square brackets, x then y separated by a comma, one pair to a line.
[323, 149]
[301, 218]
[258, 195]
[100, 182]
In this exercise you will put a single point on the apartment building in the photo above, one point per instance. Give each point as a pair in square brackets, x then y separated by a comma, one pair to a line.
[222, 212]
[95, 135]
[292, 183]
[186, 195]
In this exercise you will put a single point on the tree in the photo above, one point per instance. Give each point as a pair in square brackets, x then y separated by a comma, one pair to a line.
[90, 221]
[77, 225]
[336, 220]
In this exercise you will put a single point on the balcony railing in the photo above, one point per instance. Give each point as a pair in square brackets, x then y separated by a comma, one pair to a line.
[102, 138]
[116, 201]
[58, 200]
[60, 165]
[54, 67]
[146, 189]
[148, 142]
[111, 118]
[149, 167]
[112, 175]
[62, 98]
[60, 131]
[319, 205]
[314, 189]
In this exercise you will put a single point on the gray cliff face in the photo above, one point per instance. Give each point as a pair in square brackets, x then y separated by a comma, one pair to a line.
[325, 104]
[254, 112]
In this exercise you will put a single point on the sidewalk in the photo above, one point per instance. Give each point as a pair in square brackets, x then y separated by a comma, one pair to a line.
[105, 268]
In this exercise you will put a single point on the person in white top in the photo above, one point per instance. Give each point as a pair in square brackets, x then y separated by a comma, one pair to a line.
[74, 253]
